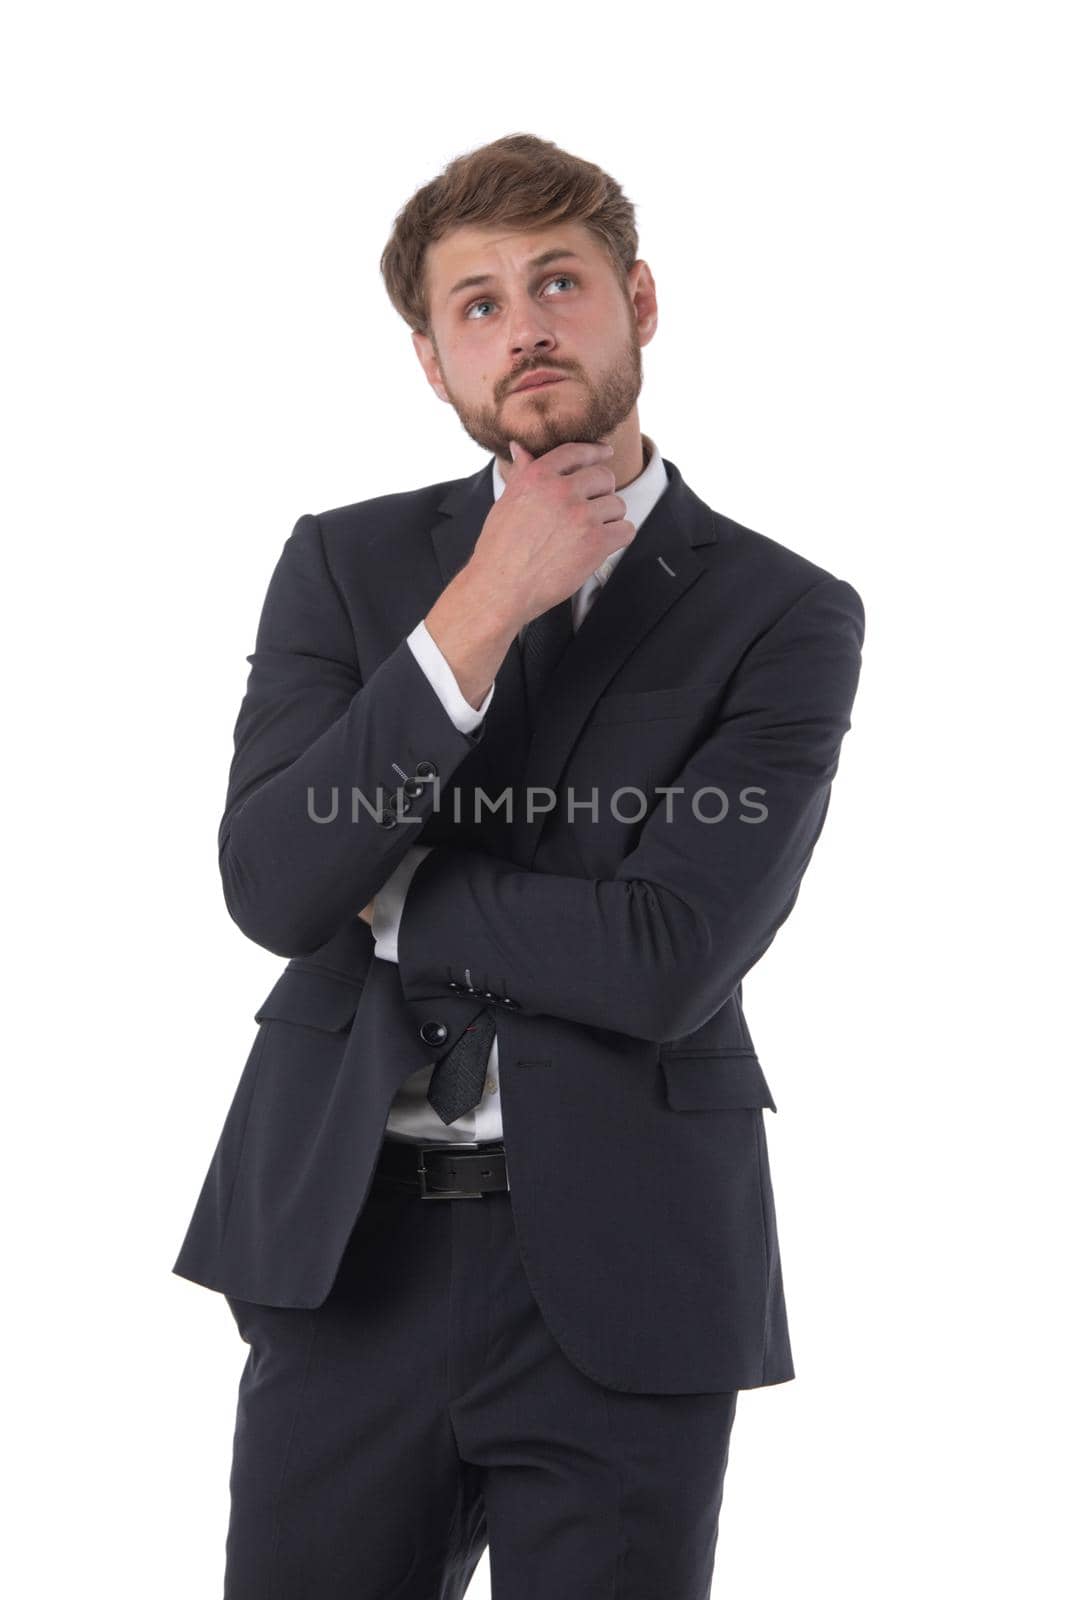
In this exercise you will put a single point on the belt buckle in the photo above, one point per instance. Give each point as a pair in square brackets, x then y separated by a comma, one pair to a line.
[441, 1194]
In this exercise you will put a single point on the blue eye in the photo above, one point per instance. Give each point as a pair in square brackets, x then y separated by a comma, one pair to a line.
[560, 277]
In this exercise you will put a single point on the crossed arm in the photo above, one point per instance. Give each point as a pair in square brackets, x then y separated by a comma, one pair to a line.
[665, 939]
[659, 946]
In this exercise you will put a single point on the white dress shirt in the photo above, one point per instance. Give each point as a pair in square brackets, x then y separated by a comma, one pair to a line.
[411, 1116]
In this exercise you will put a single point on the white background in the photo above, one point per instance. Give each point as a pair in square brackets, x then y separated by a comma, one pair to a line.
[852, 214]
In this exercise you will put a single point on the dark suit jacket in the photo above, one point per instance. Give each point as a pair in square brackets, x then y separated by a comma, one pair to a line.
[611, 951]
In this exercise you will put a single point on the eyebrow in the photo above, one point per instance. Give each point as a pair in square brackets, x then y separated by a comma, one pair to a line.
[533, 265]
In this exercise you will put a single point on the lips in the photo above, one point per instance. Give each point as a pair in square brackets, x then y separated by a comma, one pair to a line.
[538, 380]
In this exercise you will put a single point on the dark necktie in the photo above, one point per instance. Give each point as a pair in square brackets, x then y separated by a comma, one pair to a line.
[544, 641]
[457, 1083]
[458, 1080]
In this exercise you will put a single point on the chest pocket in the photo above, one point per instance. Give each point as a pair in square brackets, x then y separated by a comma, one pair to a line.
[638, 737]
[649, 705]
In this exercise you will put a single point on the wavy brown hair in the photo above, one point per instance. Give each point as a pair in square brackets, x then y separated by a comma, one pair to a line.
[518, 181]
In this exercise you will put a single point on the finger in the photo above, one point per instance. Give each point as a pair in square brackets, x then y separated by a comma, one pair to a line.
[566, 457]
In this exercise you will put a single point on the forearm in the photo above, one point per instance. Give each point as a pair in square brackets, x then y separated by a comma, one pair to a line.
[635, 956]
[597, 951]
[473, 628]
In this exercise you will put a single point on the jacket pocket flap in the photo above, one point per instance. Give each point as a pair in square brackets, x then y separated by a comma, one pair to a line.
[315, 999]
[645, 705]
[714, 1082]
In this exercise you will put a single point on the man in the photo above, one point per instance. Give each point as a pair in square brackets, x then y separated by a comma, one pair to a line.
[528, 771]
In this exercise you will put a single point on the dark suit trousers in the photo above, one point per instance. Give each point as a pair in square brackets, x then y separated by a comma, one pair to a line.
[423, 1411]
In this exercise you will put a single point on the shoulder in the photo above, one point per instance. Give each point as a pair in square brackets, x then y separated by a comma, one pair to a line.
[385, 517]
[749, 562]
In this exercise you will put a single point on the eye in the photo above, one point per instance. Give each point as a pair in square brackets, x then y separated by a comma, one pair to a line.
[560, 277]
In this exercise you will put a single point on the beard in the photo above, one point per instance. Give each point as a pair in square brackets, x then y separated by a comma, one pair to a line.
[585, 413]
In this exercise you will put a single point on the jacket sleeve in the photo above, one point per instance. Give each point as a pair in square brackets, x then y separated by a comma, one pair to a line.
[655, 950]
[318, 753]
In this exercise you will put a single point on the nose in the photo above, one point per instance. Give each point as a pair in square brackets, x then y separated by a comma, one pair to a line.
[529, 354]
[528, 335]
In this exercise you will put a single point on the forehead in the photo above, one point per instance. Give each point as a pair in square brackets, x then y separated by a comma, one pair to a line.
[493, 252]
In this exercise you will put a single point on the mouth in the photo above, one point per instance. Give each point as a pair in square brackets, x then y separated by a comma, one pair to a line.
[538, 380]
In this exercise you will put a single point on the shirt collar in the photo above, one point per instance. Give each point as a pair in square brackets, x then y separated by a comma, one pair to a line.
[638, 497]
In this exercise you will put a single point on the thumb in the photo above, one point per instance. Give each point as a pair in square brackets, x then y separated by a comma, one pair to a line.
[519, 452]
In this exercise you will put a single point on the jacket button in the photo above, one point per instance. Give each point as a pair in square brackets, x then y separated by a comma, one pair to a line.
[433, 1032]
[413, 788]
[387, 818]
[506, 1000]
[425, 769]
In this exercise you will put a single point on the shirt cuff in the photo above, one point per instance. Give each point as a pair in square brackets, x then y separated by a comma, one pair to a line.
[431, 659]
[389, 902]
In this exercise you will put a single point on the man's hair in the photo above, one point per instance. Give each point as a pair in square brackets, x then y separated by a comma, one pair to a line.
[519, 181]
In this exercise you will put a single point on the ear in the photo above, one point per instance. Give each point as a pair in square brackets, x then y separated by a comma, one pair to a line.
[428, 361]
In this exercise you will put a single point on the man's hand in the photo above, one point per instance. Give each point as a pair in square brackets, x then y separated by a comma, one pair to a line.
[557, 519]
[367, 913]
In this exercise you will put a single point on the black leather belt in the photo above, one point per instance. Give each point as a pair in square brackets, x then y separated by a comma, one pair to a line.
[442, 1171]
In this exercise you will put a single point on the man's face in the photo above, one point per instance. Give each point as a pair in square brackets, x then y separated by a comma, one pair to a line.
[567, 315]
